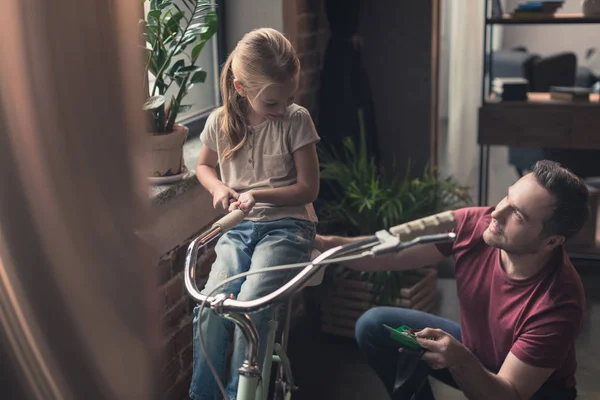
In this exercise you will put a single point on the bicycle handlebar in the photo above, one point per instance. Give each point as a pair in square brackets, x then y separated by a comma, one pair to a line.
[437, 223]
[382, 242]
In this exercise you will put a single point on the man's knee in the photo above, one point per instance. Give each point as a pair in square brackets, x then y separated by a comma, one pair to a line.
[369, 325]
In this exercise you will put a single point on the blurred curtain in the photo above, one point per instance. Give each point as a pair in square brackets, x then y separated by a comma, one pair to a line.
[77, 310]
[344, 83]
[460, 155]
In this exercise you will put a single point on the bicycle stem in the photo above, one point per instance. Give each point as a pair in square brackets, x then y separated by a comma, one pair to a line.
[243, 321]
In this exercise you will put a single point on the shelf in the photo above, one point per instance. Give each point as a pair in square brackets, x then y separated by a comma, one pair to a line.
[543, 19]
[590, 253]
[536, 99]
[540, 122]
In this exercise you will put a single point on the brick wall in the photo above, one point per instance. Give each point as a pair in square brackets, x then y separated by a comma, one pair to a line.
[176, 370]
[305, 23]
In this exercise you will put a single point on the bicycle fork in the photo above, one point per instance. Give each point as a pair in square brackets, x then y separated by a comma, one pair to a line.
[252, 384]
[249, 371]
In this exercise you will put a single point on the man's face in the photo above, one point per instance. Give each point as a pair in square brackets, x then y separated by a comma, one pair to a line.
[518, 219]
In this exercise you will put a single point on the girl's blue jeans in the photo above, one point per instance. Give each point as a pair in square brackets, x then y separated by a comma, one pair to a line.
[247, 247]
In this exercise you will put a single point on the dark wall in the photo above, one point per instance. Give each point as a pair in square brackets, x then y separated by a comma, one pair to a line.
[397, 55]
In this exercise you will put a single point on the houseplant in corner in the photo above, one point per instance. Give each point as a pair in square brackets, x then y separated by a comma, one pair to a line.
[174, 33]
[363, 201]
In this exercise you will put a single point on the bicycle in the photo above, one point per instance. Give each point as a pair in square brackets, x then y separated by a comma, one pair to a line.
[254, 384]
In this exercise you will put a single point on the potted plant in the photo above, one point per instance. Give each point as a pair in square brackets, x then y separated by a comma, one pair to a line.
[169, 30]
[364, 200]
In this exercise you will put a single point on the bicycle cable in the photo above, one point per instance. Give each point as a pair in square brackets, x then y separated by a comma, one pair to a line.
[242, 275]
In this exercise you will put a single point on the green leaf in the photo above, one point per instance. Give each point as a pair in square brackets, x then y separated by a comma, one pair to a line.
[198, 77]
[180, 11]
[154, 14]
[154, 103]
[172, 26]
[188, 39]
[185, 107]
[196, 51]
[188, 70]
[165, 5]
[179, 64]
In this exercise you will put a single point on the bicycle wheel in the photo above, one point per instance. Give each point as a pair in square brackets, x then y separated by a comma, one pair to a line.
[282, 391]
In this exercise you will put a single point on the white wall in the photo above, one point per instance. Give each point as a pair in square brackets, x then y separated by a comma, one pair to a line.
[549, 39]
[244, 15]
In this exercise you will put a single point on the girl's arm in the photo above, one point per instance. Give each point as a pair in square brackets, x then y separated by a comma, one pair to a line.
[207, 175]
[306, 188]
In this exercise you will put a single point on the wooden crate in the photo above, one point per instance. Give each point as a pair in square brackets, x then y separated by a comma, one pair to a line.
[348, 299]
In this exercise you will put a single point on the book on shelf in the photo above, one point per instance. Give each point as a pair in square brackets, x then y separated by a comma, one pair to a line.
[510, 81]
[539, 9]
[570, 93]
[510, 88]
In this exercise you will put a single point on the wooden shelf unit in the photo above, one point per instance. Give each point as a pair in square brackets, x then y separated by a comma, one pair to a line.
[538, 122]
[535, 99]
[543, 19]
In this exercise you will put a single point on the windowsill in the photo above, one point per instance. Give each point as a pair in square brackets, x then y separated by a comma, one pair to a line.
[160, 194]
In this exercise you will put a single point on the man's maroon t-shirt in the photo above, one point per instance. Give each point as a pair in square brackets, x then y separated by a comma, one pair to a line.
[537, 319]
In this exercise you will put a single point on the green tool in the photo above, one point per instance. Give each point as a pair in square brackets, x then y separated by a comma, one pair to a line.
[405, 336]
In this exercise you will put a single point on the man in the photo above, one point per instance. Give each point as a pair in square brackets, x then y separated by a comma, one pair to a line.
[521, 300]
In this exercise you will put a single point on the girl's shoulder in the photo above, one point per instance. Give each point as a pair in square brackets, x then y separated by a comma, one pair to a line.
[214, 117]
[295, 111]
[298, 116]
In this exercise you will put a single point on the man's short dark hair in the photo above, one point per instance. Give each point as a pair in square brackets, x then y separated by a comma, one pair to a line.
[571, 210]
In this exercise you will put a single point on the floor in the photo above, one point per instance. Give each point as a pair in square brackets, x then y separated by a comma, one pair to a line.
[328, 367]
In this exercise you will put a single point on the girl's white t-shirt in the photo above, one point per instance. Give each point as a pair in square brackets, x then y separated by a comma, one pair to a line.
[266, 159]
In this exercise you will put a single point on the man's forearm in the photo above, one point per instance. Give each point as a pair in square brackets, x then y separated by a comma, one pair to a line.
[411, 258]
[476, 382]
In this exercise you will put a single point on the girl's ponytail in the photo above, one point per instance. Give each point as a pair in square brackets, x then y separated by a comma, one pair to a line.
[233, 124]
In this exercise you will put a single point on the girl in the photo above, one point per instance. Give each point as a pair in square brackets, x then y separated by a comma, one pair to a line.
[265, 146]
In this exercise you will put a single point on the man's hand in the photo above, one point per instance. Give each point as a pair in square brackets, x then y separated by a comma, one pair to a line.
[443, 351]
[322, 243]
[245, 202]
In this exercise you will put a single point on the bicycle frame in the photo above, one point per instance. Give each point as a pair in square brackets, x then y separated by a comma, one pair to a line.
[252, 384]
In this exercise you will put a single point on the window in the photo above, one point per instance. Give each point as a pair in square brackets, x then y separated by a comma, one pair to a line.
[203, 97]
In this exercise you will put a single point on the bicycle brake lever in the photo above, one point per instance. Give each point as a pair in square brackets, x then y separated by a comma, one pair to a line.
[217, 303]
[388, 242]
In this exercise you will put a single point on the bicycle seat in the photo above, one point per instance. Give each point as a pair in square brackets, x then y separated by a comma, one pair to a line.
[318, 277]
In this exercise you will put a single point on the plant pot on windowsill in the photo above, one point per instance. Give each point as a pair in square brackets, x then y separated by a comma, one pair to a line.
[174, 38]
[348, 298]
[165, 149]
[166, 153]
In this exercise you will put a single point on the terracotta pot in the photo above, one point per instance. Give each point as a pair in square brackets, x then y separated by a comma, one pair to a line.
[591, 8]
[348, 299]
[165, 155]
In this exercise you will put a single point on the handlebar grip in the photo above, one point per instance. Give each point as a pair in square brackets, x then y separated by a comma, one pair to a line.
[433, 224]
[230, 220]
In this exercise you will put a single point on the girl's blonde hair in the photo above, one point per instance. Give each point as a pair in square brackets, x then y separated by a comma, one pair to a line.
[263, 57]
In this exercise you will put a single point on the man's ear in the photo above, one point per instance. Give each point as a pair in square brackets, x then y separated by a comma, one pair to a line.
[555, 240]
[239, 87]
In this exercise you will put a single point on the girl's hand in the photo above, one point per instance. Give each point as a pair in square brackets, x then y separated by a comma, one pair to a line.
[221, 196]
[244, 202]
